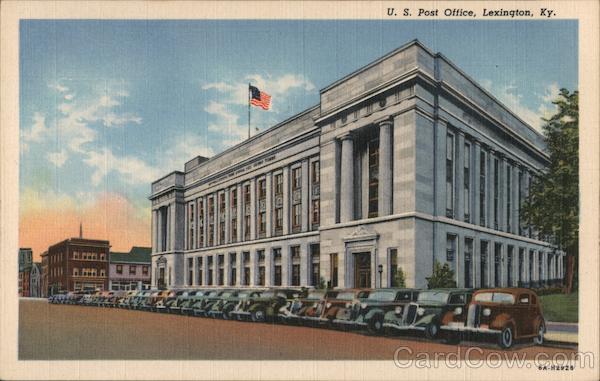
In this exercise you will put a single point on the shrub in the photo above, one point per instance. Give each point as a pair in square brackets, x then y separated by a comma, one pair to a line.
[442, 277]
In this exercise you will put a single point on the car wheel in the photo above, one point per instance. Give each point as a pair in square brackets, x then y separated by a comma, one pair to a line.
[226, 314]
[539, 339]
[431, 330]
[452, 338]
[505, 340]
[258, 316]
[375, 324]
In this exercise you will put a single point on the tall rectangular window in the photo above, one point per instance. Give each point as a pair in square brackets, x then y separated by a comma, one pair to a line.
[200, 279]
[190, 271]
[315, 172]
[451, 250]
[315, 212]
[333, 261]
[509, 265]
[200, 223]
[393, 270]
[315, 264]
[246, 190]
[484, 263]
[233, 209]
[232, 269]
[221, 265]
[521, 267]
[278, 219]
[468, 263]
[496, 190]
[209, 262]
[246, 228]
[260, 254]
[277, 267]
[295, 254]
[211, 221]
[373, 178]
[467, 183]
[497, 264]
[296, 178]
[278, 184]
[450, 175]
[246, 264]
[296, 216]
[508, 197]
[519, 202]
[482, 186]
[191, 226]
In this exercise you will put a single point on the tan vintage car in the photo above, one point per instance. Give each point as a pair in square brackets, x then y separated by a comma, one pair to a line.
[509, 314]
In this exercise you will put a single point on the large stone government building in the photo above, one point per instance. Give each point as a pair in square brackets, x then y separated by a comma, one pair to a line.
[404, 162]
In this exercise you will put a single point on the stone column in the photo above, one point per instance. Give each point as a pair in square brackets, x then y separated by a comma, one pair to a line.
[514, 216]
[252, 208]
[253, 267]
[205, 221]
[526, 176]
[226, 269]
[490, 197]
[240, 215]
[227, 216]
[155, 228]
[347, 179]
[205, 271]
[386, 162]
[286, 200]
[476, 216]
[305, 193]
[459, 186]
[304, 258]
[269, 204]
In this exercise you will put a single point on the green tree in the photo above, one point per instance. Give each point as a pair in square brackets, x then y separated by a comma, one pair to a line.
[442, 277]
[553, 207]
[399, 279]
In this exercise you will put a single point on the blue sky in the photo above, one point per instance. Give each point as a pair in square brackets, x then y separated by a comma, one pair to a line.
[109, 106]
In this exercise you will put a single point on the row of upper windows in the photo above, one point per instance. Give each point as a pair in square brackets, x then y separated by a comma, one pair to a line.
[87, 255]
[88, 272]
[132, 269]
[195, 222]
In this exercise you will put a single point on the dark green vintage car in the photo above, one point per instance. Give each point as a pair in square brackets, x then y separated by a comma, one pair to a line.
[266, 306]
[186, 306]
[380, 302]
[227, 302]
[204, 303]
[426, 313]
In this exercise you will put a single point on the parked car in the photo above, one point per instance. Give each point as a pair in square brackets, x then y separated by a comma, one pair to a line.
[155, 298]
[140, 300]
[203, 304]
[266, 306]
[301, 310]
[191, 299]
[89, 300]
[508, 314]
[226, 305]
[126, 299]
[114, 299]
[57, 298]
[162, 305]
[378, 304]
[216, 308]
[174, 304]
[427, 312]
[344, 308]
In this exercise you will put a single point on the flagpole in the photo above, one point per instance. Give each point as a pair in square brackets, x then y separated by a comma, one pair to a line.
[249, 110]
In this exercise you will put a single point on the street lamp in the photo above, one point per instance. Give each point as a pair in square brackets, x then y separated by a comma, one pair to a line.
[380, 269]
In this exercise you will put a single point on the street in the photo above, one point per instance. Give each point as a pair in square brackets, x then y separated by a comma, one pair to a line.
[66, 332]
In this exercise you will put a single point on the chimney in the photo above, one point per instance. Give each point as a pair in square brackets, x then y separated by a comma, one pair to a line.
[80, 230]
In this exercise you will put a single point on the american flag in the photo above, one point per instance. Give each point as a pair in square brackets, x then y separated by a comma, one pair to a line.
[259, 98]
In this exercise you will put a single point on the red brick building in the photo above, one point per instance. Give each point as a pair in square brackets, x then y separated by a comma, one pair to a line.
[78, 264]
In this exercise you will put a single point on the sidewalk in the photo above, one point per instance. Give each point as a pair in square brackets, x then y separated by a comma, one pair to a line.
[562, 332]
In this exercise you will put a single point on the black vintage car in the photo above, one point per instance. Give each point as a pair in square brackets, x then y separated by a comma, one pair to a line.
[426, 313]
[380, 302]
[227, 302]
[266, 306]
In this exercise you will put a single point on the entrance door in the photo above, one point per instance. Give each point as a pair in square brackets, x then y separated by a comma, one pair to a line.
[362, 270]
[161, 277]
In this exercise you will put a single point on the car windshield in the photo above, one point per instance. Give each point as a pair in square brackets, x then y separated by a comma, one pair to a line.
[386, 296]
[345, 296]
[243, 295]
[315, 295]
[433, 296]
[268, 294]
[226, 294]
[495, 297]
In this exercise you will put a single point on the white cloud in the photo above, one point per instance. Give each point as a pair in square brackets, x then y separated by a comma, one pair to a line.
[69, 97]
[132, 169]
[58, 87]
[38, 130]
[58, 158]
[510, 96]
